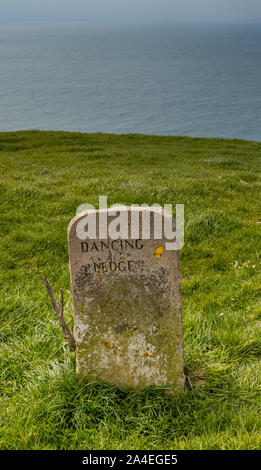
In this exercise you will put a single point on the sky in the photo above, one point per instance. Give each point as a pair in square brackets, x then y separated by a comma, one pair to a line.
[132, 10]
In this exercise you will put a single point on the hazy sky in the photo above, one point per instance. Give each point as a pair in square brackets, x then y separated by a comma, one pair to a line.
[132, 10]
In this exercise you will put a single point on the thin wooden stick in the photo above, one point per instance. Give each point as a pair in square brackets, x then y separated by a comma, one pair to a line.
[189, 381]
[29, 363]
[58, 308]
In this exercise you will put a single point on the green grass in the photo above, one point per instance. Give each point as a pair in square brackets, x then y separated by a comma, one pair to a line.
[45, 176]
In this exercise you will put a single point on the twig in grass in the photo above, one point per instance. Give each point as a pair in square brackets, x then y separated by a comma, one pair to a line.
[58, 308]
[29, 363]
[189, 381]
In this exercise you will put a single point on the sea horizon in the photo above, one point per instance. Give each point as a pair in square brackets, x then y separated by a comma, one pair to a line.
[190, 79]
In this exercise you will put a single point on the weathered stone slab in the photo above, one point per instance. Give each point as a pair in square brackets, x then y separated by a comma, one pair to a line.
[127, 307]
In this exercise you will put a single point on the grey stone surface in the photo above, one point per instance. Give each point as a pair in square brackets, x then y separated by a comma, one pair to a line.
[127, 309]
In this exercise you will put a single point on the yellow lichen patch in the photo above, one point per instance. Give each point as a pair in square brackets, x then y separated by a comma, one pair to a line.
[106, 343]
[158, 251]
[82, 310]
[147, 354]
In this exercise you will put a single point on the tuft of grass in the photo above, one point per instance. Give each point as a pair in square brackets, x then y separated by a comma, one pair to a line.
[44, 177]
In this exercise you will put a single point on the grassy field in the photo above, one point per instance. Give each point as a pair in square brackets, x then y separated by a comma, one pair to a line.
[44, 177]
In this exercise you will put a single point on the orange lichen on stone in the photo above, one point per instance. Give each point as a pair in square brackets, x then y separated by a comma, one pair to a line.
[106, 343]
[146, 354]
[159, 251]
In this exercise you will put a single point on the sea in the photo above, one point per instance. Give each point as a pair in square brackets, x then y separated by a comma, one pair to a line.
[200, 80]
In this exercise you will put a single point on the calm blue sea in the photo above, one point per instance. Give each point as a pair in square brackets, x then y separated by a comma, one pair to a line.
[197, 80]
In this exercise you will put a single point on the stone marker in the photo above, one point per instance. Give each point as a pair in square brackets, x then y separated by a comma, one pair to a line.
[127, 305]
